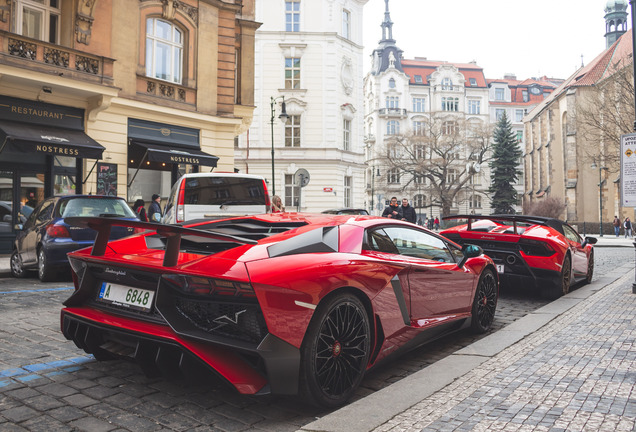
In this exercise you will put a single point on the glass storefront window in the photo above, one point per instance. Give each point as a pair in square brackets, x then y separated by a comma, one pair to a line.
[64, 184]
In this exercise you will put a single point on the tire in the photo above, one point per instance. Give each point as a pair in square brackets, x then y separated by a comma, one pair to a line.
[17, 267]
[561, 286]
[590, 269]
[335, 351]
[485, 302]
[45, 272]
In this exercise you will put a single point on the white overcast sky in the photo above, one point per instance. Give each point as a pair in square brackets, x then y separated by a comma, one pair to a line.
[529, 38]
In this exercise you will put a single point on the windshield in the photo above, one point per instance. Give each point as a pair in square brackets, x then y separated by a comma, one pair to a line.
[224, 191]
[105, 207]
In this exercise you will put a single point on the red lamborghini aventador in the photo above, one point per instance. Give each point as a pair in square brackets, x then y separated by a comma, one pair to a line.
[282, 303]
[544, 253]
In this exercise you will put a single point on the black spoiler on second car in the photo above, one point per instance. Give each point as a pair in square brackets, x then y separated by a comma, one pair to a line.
[536, 220]
[172, 233]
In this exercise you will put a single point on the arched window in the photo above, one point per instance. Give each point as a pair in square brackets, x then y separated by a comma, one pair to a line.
[392, 127]
[391, 83]
[164, 50]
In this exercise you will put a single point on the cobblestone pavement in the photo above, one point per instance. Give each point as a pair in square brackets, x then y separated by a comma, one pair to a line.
[47, 384]
[577, 374]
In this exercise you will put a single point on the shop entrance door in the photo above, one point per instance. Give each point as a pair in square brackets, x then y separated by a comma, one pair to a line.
[20, 192]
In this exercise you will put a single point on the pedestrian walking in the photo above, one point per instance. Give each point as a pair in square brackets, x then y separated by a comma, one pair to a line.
[628, 228]
[617, 226]
[392, 210]
[140, 210]
[407, 212]
[277, 204]
[436, 223]
[154, 211]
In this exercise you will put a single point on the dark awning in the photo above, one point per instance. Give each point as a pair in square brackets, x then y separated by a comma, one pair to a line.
[172, 154]
[32, 138]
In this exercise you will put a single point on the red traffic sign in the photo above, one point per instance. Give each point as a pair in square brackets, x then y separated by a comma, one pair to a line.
[327, 189]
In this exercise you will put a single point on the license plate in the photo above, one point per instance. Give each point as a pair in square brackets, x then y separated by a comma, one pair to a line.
[500, 268]
[120, 295]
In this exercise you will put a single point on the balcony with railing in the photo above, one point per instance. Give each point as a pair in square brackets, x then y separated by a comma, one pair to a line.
[39, 56]
[392, 112]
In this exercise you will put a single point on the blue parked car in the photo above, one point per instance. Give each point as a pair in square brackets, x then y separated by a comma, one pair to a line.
[44, 240]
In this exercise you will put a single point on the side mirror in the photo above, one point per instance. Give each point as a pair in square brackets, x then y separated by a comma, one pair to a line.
[589, 240]
[470, 251]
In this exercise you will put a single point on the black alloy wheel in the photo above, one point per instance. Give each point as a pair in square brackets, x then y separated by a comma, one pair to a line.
[590, 268]
[485, 302]
[335, 352]
[17, 267]
[561, 286]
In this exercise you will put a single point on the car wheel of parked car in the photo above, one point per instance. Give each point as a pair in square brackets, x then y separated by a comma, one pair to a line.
[45, 272]
[562, 286]
[590, 268]
[485, 303]
[335, 352]
[17, 268]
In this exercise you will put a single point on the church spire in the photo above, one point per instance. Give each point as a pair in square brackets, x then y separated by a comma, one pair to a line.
[387, 54]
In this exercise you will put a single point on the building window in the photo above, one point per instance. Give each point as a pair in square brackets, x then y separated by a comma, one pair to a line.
[419, 201]
[418, 79]
[499, 113]
[450, 104]
[499, 94]
[392, 102]
[164, 50]
[292, 73]
[419, 104]
[475, 202]
[474, 106]
[391, 83]
[346, 24]
[38, 19]
[393, 175]
[451, 175]
[473, 82]
[449, 127]
[346, 135]
[292, 191]
[292, 15]
[348, 183]
[292, 131]
[520, 136]
[524, 94]
[392, 127]
[419, 151]
[447, 84]
[419, 128]
[519, 115]
[393, 151]
[419, 179]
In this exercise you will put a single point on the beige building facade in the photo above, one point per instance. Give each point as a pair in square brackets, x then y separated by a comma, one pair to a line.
[120, 96]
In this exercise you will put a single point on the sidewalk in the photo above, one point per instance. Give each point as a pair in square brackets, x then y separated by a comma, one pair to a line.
[569, 366]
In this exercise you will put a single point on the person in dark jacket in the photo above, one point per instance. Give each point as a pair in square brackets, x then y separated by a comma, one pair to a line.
[154, 211]
[140, 210]
[407, 212]
[392, 210]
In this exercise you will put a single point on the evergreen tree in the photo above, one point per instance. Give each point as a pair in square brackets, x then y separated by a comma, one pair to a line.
[503, 166]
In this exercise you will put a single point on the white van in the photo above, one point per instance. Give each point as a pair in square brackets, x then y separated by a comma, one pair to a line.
[215, 195]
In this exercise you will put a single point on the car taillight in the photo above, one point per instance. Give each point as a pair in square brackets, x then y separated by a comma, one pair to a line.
[207, 286]
[180, 213]
[57, 231]
[139, 230]
[268, 203]
[535, 248]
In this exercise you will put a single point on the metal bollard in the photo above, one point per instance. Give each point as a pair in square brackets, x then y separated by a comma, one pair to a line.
[634, 284]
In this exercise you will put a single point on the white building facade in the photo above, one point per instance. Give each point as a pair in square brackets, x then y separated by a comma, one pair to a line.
[308, 54]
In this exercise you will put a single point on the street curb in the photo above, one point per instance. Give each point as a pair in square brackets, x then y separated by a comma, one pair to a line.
[378, 408]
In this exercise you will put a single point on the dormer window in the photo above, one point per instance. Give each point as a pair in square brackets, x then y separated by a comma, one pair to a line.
[38, 19]
[473, 82]
[391, 83]
[418, 79]
[447, 84]
[499, 94]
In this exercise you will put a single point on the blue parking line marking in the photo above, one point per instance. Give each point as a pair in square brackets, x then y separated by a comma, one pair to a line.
[27, 378]
[12, 372]
[42, 370]
[36, 290]
[4, 383]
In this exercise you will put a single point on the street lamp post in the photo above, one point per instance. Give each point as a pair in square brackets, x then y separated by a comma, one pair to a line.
[283, 116]
[600, 195]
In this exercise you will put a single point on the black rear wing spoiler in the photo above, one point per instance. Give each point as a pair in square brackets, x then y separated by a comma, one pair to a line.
[172, 233]
[535, 220]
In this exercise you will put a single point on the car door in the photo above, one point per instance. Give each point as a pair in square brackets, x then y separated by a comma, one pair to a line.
[35, 231]
[438, 287]
[579, 257]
